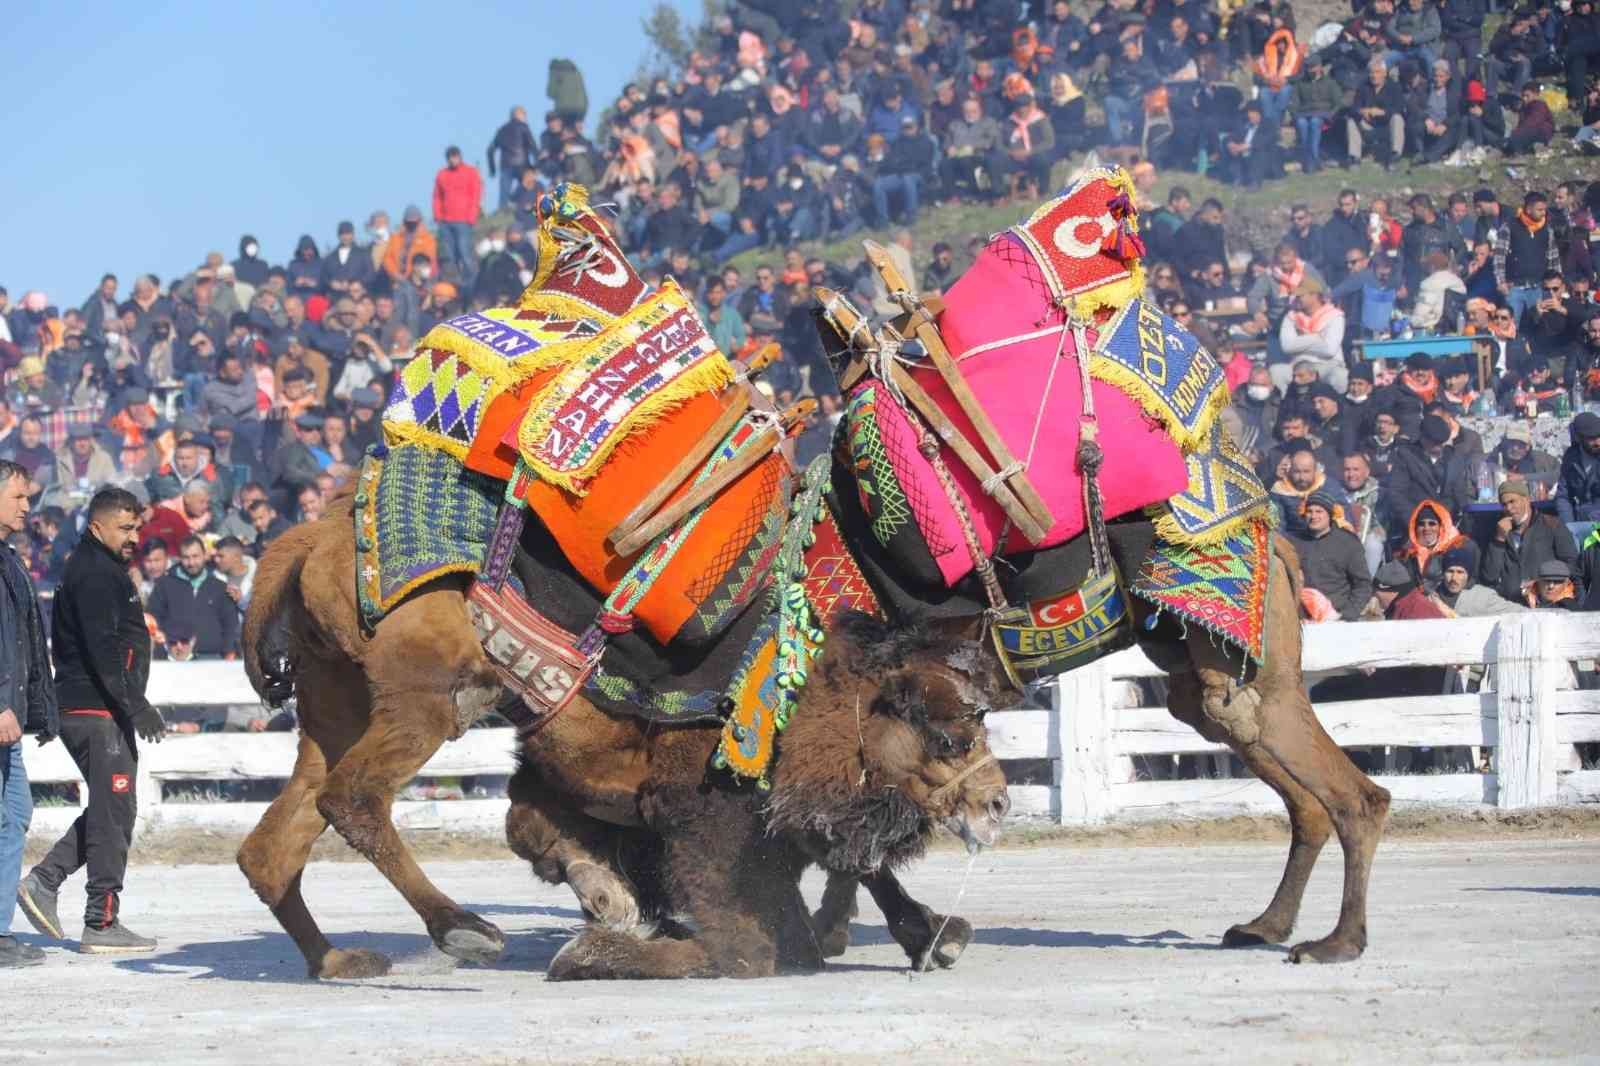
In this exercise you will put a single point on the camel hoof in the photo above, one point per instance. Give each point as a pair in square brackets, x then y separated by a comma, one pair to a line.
[953, 941]
[835, 943]
[605, 897]
[1252, 935]
[351, 964]
[1326, 950]
[471, 939]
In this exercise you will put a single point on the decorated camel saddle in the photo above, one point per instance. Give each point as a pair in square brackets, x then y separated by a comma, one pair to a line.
[1042, 410]
[1036, 447]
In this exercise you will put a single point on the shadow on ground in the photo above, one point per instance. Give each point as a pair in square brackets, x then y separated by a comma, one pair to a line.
[1548, 890]
[272, 958]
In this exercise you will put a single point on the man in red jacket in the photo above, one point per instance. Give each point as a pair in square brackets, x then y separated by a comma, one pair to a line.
[457, 194]
[1535, 124]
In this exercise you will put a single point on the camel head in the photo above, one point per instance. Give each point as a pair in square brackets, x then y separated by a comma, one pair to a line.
[888, 742]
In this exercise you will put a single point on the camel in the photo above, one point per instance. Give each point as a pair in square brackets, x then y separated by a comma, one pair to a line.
[886, 743]
[1267, 721]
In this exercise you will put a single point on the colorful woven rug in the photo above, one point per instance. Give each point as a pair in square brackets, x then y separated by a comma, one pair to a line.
[1223, 495]
[419, 514]
[1157, 362]
[636, 371]
[1220, 587]
[1085, 241]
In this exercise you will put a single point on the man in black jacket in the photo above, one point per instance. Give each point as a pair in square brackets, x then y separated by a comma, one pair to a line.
[514, 144]
[1332, 559]
[27, 705]
[102, 658]
[1429, 470]
[1379, 111]
[193, 609]
[1522, 541]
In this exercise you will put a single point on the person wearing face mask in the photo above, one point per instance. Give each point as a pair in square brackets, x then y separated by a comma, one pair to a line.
[1256, 404]
[411, 242]
[499, 271]
[250, 268]
[412, 291]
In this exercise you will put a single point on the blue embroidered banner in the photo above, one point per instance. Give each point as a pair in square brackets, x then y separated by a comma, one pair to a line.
[1162, 366]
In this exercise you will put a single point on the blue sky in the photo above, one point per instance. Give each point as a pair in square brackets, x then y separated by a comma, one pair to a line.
[142, 136]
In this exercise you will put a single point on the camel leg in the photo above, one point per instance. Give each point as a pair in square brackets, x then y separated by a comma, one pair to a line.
[357, 799]
[1309, 825]
[273, 856]
[565, 846]
[1291, 733]
[1273, 711]
[914, 926]
[831, 920]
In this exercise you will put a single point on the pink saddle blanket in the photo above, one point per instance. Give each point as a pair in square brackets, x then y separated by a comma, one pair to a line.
[1003, 298]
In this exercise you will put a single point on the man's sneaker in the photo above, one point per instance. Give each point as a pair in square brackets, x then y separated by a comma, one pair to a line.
[39, 906]
[113, 939]
[14, 953]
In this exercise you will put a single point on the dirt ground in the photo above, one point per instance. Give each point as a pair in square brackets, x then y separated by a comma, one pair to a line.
[191, 845]
[1483, 948]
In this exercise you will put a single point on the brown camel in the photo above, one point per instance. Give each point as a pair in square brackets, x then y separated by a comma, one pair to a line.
[1268, 721]
[887, 742]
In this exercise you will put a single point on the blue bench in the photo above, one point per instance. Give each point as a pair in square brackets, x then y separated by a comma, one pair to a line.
[1397, 350]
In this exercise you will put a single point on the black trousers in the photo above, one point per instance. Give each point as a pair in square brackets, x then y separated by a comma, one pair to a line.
[100, 838]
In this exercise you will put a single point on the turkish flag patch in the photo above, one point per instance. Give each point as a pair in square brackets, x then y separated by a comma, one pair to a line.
[120, 783]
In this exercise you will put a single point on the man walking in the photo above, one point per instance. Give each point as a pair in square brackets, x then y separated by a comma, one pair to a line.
[27, 705]
[102, 659]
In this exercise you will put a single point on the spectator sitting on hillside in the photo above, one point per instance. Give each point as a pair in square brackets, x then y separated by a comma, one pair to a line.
[237, 571]
[1401, 598]
[1366, 509]
[1460, 594]
[1535, 124]
[83, 466]
[193, 608]
[1331, 558]
[1429, 469]
[1578, 495]
[1313, 334]
[1438, 279]
[1516, 457]
[1523, 540]
[1250, 149]
[1430, 534]
[1553, 588]
[1379, 109]
[1305, 477]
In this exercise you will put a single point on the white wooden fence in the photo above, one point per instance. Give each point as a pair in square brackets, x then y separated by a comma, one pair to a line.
[1090, 739]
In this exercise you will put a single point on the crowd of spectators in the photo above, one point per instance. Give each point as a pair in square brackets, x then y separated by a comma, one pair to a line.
[236, 398]
[1378, 473]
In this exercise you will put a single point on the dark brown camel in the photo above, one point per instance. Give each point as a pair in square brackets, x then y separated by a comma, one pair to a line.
[858, 793]
[1268, 721]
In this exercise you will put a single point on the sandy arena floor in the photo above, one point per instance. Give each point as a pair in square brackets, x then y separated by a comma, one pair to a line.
[1480, 951]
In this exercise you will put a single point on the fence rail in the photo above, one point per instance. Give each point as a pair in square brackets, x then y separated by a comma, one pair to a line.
[1090, 738]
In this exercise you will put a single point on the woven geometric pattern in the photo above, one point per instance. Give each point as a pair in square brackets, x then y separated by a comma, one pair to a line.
[1221, 587]
[643, 365]
[1157, 362]
[419, 514]
[882, 496]
[1223, 494]
[437, 400]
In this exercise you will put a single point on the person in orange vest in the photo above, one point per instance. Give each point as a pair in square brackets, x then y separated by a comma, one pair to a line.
[1278, 63]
